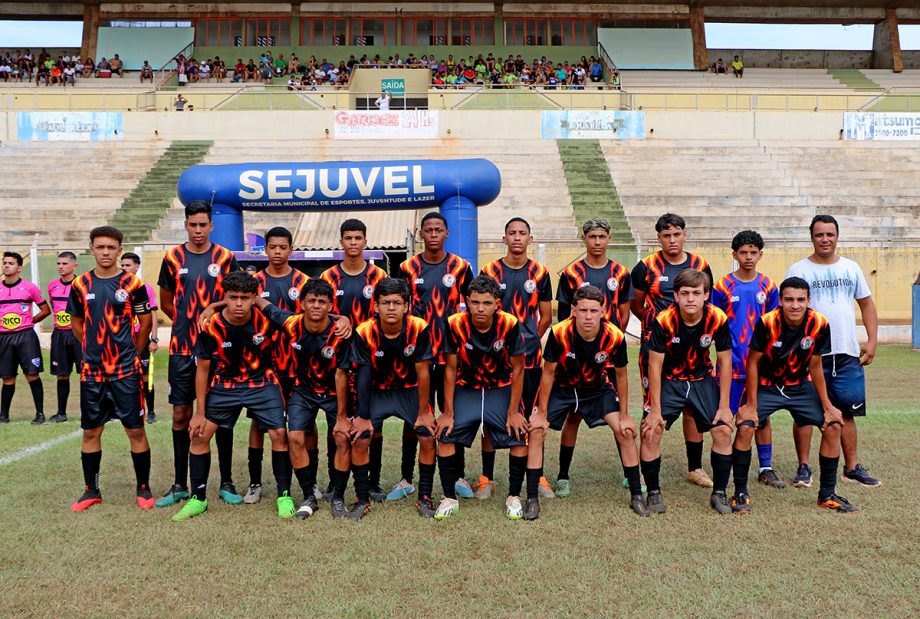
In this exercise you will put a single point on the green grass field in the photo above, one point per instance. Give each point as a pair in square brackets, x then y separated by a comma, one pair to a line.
[586, 555]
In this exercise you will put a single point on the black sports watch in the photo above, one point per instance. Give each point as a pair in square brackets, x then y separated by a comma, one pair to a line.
[154, 339]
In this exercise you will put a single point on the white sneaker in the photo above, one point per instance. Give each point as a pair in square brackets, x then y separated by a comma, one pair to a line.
[446, 509]
[513, 508]
[485, 489]
[463, 489]
[253, 494]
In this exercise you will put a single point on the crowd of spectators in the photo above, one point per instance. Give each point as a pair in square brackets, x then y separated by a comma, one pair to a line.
[44, 68]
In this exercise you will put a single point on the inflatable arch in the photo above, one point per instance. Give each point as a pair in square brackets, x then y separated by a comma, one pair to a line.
[458, 187]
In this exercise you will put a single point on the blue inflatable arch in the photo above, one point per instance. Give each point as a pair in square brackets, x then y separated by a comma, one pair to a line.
[457, 187]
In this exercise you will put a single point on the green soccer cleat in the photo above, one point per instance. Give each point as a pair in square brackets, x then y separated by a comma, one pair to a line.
[286, 508]
[174, 495]
[513, 508]
[229, 495]
[194, 507]
[563, 488]
[626, 486]
[446, 509]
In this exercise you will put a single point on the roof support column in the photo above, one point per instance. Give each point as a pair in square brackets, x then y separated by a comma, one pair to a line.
[886, 44]
[698, 32]
[90, 31]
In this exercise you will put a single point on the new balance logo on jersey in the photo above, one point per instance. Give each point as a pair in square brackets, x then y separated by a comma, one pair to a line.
[675, 340]
[227, 345]
[379, 353]
[735, 298]
[570, 355]
[777, 344]
[419, 281]
[663, 278]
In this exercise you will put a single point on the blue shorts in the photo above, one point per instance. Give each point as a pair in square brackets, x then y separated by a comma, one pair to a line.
[846, 384]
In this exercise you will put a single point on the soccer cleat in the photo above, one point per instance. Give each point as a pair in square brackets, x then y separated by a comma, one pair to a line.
[377, 494]
[151, 417]
[145, 498]
[637, 503]
[285, 505]
[837, 503]
[545, 490]
[446, 509]
[532, 509]
[59, 418]
[194, 507]
[39, 419]
[768, 477]
[318, 494]
[463, 489]
[626, 485]
[359, 510]
[562, 489]
[400, 491]
[4, 418]
[485, 488]
[425, 507]
[513, 508]
[700, 478]
[719, 502]
[339, 510]
[173, 495]
[802, 478]
[655, 502]
[229, 495]
[741, 503]
[89, 498]
[253, 494]
[328, 494]
[307, 508]
[860, 475]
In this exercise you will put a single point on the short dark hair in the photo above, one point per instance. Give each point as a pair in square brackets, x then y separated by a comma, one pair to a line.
[691, 278]
[520, 219]
[670, 220]
[280, 232]
[794, 282]
[822, 219]
[318, 287]
[433, 215]
[14, 255]
[747, 237]
[130, 255]
[588, 293]
[198, 206]
[391, 285]
[352, 225]
[69, 255]
[107, 231]
[240, 281]
[484, 284]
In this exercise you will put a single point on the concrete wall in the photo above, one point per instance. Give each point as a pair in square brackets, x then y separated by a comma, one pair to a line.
[797, 58]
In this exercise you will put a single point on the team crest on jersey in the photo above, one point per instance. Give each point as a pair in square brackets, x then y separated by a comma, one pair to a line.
[706, 340]
[613, 283]
[328, 352]
[121, 295]
[258, 338]
[600, 357]
[293, 293]
[761, 297]
[408, 350]
[368, 291]
[213, 269]
[807, 343]
[530, 285]
[24, 307]
[448, 280]
[498, 345]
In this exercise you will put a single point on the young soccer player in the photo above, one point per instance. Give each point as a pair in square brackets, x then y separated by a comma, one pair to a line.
[785, 371]
[103, 306]
[190, 279]
[437, 281]
[19, 347]
[131, 263]
[575, 380]
[653, 292]
[483, 383]
[745, 295]
[237, 342]
[681, 381]
[613, 280]
[65, 348]
[393, 357]
[527, 294]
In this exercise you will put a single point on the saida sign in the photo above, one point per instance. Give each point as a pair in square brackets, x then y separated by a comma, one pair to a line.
[395, 85]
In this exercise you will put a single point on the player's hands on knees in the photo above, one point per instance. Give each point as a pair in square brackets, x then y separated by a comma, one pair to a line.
[746, 413]
[832, 416]
[197, 425]
[359, 426]
[444, 425]
[538, 421]
[724, 415]
[627, 427]
[516, 425]
[342, 426]
[426, 420]
[343, 327]
[652, 423]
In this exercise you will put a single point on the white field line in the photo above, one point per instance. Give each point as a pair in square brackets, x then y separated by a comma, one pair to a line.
[34, 449]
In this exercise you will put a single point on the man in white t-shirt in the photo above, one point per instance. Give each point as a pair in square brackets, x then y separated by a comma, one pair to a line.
[383, 102]
[837, 282]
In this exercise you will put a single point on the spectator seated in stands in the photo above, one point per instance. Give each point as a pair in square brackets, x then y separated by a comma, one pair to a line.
[319, 76]
[204, 70]
[117, 66]
[70, 74]
[294, 83]
[239, 71]
[719, 67]
[252, 71]
[267, 70]
[146, 72]
[281, 66]
[103, 68]
[293, 65]
[56, 74]
[42, 75]
[616, 82]
[6, 68]
[219, 69]
[88, 67]
[738, 67]
[193, 71]
[596, 71]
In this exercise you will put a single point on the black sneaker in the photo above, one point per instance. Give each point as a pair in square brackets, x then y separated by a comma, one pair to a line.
[741, 503]
[339, 510]
[359, 510]
[802, 478]
[425, 507]
[837, 503]
[59, 418]
[719, 502]
[768, 477]
[655, 502]
[307, 508]
[532, 509]
[378, 495]
[39, 419]
[860, 475]
[151, 417]
[4, 418]
[637, 503]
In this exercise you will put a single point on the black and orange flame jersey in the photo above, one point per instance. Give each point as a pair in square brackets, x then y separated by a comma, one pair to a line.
[317, 354]
[788, 350]
[522, 291]
[195, 280]
[392, 361]
[108, 307]
[283, 292]
[354, 294]
[654, 276]
[582, 364]
[613, 280]
[437, 292]
[240, 355]
[686, 348]
[484, 359]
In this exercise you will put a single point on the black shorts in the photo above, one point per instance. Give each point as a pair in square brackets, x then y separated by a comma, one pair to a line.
[181, 377]
[287, 386]
[801, 401]
[482, 407]
[402, 403]
[303, 406]
[20, 350]
[592, 405]
[532, 378]
[120, 399]
[265, 404]
[436, 386]
[699, 397]
[66, 352]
